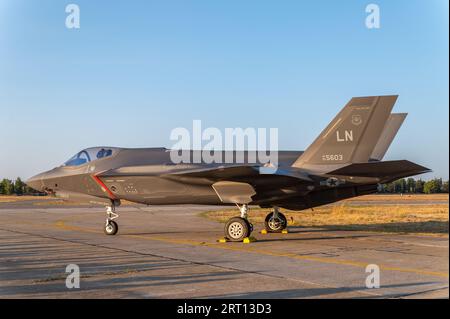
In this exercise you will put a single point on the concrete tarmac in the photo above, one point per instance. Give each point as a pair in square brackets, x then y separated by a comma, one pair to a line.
[172, 252]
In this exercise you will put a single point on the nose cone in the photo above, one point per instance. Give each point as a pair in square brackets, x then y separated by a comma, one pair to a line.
[36, 182]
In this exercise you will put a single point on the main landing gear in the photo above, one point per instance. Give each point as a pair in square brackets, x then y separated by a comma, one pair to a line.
[111, 227]
[275, 221]
[238, 228]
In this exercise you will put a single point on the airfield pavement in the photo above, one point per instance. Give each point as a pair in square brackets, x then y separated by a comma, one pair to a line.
[171, 252]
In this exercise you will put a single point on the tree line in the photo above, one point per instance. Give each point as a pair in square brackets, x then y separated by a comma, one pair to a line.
[17, 187]
[409, 185]
[415, 186]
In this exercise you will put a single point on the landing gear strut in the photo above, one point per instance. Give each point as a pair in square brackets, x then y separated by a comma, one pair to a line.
[111, 227]
[238, 228]
[275, 221]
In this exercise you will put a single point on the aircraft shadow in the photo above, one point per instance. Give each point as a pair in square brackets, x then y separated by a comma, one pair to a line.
[432, 227]
[318, 292]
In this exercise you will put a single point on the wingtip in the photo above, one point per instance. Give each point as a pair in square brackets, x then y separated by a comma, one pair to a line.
[423, 169]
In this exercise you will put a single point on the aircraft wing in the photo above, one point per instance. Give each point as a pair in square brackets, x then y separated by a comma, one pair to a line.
[244, 184]
[218, 173]
[241, 172]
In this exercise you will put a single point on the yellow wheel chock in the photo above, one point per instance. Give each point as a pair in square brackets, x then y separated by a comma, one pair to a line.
[246, 240]
[284, 231]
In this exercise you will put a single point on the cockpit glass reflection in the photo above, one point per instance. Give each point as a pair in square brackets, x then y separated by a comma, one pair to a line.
[90, 154]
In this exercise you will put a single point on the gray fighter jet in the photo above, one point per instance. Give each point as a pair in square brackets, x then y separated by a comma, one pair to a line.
[344, 161]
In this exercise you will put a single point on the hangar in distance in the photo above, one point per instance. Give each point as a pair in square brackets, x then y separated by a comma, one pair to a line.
[344, 161]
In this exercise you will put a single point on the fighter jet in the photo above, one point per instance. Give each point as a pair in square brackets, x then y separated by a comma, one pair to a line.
[344, 161]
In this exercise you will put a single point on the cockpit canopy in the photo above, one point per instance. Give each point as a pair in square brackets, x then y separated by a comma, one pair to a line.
[91, 154]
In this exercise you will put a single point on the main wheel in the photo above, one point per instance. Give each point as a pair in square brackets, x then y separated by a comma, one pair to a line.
[275, 225]
[111, 228]
[237, 228]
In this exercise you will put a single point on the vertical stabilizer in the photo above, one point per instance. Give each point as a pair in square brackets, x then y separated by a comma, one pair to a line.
[352, 135]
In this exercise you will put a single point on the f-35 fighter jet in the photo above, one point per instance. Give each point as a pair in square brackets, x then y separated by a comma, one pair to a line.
[344, 161]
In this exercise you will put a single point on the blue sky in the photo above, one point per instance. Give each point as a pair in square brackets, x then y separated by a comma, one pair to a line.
[137, 69]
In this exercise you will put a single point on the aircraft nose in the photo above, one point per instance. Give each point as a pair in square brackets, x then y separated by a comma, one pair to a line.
[36, 182]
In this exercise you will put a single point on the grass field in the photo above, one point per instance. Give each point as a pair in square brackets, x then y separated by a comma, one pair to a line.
[14, 198]
[45, 200]
[381, 213]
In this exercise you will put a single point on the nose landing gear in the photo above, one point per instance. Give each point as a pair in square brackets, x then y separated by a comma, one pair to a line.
[111, 227]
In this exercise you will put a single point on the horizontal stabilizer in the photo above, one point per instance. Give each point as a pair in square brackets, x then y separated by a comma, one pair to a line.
[386, 171]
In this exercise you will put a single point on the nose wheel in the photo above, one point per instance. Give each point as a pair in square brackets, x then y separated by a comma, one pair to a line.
[111, 227]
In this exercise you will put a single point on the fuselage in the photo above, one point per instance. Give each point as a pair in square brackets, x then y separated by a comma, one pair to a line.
[150, 176]
[140, 175]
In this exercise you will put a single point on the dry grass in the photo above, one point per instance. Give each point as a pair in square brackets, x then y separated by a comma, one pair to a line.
[15, 198]
[60, 202]
[47, 200]
[384, 216]
[398, 197]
